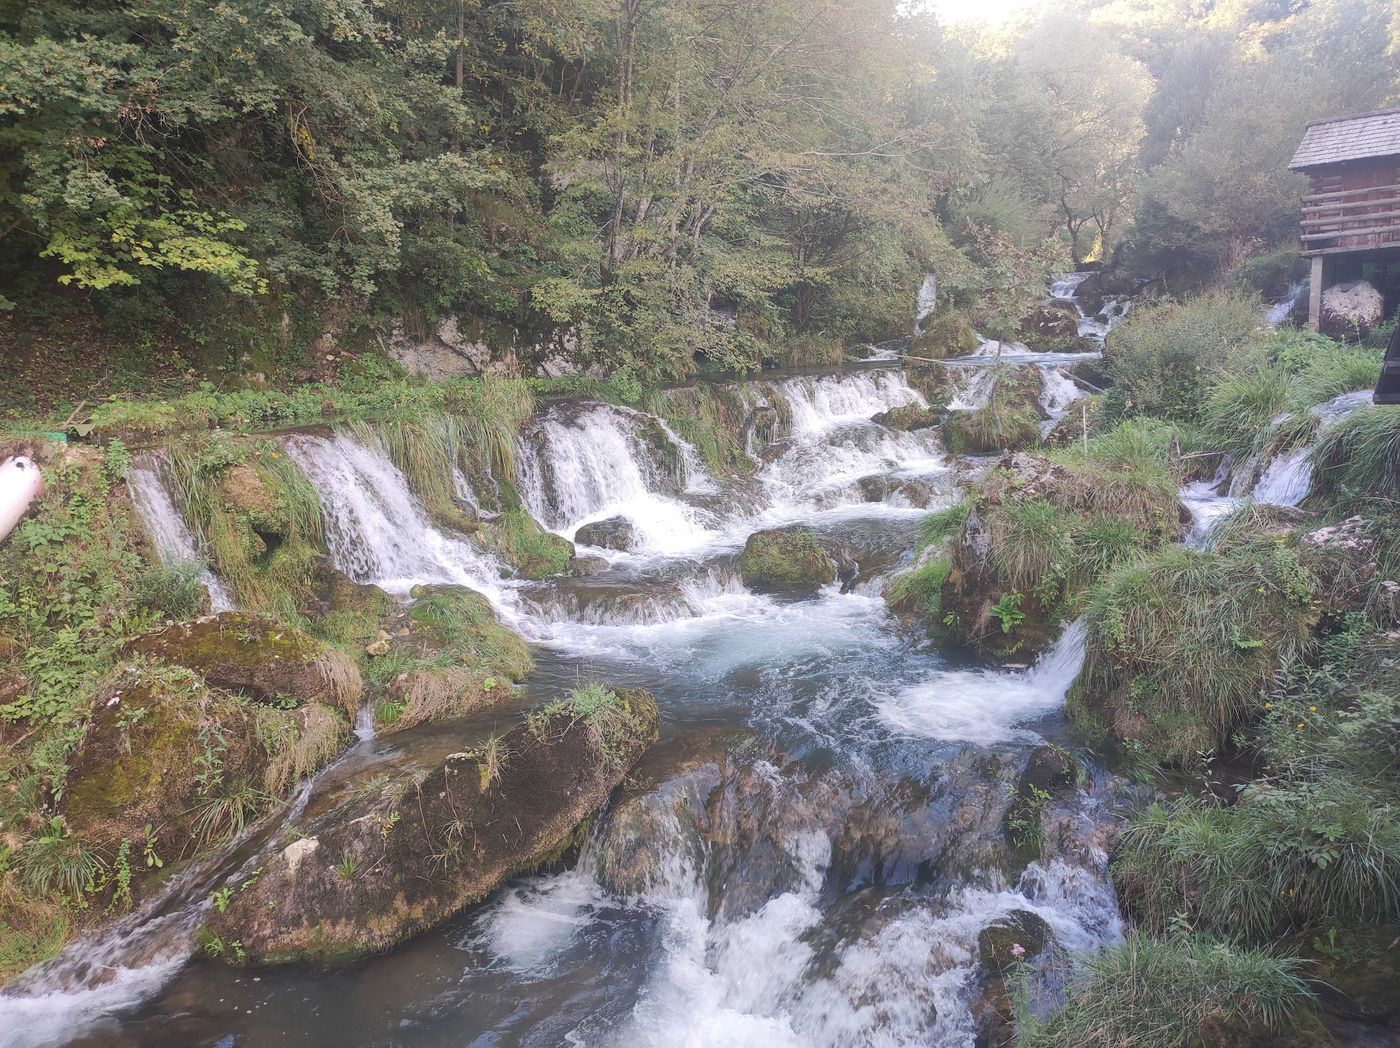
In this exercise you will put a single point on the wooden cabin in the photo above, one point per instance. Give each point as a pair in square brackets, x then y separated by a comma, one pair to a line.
[1351, 213]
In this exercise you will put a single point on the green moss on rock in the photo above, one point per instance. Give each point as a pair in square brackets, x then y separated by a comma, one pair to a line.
[786, 560]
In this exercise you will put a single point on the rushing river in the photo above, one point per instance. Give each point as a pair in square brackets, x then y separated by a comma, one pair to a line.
[823, 815]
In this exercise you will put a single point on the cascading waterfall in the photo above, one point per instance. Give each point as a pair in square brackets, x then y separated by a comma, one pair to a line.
[1281, 310]
[987, 706]
[171, 536]
[828, 678]
[1057, 392]
[1286, 479]
[972, 390]
[377, 530]
[583, 463]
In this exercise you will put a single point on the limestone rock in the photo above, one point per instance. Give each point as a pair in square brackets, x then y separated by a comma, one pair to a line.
[1351, 309]
[615, 533]
[786, 560]
[397, 860]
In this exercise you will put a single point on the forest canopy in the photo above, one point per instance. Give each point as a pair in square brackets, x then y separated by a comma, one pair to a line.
[681, 184]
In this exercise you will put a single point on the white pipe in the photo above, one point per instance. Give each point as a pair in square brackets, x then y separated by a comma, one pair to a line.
[20, 484]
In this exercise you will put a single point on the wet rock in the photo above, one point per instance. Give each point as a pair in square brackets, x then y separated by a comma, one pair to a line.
[761, 426]
[908, 417]
[786, 560]
[588, 565]
[1359, 978]
[1014, 939]
[1351, 309]
[906, 491]
[616, 533]
[260, 657]
[396, 860]
[1050, 769]
[1050, 324]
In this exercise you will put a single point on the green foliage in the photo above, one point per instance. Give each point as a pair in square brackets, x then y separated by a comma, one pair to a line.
[920, 591]
[1182, 992]
[1289, 856]
[1180, 643]
[522, 543]
[1007, 611]
[54, 861]
[176, 591]
[64, 584]
[944, 523]
[1162, 357]
[1359, 458]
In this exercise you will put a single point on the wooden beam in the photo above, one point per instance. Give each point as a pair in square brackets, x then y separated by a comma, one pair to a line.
[1311, 197]
[1316, 214]
[1395, 228]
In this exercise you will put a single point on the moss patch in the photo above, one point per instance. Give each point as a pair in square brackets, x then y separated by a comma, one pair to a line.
[786, 560]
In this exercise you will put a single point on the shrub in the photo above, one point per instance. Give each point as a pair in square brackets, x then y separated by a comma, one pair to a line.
[1162, 357]
[1175, 993]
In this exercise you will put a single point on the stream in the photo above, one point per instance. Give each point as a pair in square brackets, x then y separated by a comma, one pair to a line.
[811, 850]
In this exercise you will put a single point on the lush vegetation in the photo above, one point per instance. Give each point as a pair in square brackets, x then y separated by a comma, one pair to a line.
[678, 185]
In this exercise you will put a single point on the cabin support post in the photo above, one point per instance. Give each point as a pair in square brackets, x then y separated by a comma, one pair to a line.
[1323, 269]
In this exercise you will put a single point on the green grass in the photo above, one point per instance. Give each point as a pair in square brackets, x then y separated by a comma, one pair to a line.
[523, 544]
[1175, 993]
[920, 591]
[1359, 458]
[1181, 642]
[1291, 856]
[944, 522]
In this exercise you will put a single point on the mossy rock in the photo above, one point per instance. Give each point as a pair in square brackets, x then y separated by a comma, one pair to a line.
[453, 659]
[405, 856]
[258, 656]
[945, 335]
[533, 553]
[991, 428]
[162, 749]
[908, 417]
[786, 560]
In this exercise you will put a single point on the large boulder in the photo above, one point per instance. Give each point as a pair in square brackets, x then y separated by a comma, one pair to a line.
[1351, 309]
[258, 656]
[614, 533]
[786, 560]
[945, 335]
[170, 764]
[393, 861]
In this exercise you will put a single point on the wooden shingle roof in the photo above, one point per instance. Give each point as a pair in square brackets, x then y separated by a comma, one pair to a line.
[1346, 138]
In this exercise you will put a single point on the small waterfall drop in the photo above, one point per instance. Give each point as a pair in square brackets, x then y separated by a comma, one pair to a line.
[583, 463]
[1281, 310]
[171, 536]
[986, 705]
[378, 531]
[927, 301]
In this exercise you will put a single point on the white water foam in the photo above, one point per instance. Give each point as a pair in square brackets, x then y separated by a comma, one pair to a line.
[378, 532]
[986, 706]
[592, 465]
[171, 536]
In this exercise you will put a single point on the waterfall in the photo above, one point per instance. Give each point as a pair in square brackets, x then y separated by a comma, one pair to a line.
[174, 542]
[1281, 310]
[584, 463]
[821, 403]
[973, 390]
[984, 705]
[377, 530]
[927, 301]
[1057, 392]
